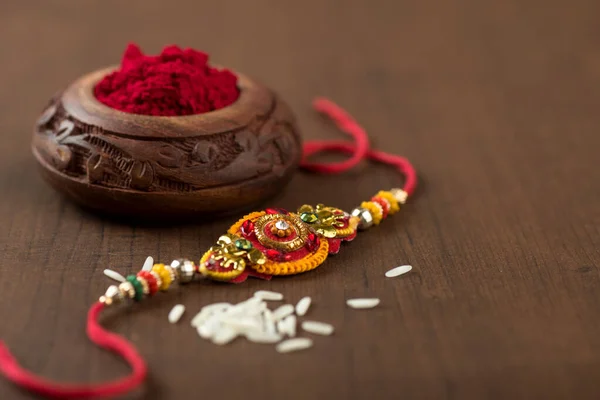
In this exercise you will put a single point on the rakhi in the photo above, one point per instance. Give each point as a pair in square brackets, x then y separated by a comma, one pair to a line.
[262, 244]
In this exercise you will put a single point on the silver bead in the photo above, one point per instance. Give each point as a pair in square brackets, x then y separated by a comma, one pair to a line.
[184, 269]
[400, 195]
[176, 266]
[365, 218]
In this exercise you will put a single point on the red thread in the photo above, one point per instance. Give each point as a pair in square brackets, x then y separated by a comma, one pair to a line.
[176, 82]
[359, 149]
[346, 124]
[111, 341]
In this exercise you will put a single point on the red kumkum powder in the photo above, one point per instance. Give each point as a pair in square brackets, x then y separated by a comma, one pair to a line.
[176, 82]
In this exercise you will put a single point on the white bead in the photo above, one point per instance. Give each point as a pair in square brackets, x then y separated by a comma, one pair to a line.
[398, 271]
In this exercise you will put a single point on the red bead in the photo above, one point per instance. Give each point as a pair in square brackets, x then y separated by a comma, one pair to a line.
[152, 283]
[247, 228]
[384, 205]
[276, 211]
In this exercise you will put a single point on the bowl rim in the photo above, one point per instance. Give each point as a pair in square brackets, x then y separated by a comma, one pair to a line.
[80, 102]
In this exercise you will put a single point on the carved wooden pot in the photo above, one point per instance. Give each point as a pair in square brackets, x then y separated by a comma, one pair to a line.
[219, 162]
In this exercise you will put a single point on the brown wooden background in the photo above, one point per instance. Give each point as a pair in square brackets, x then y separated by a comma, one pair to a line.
[496, 102]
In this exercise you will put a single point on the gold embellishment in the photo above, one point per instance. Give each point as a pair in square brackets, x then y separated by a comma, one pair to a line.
[350, 229]
[307, 263]
[294, 222]
[232, 253]
[217, 275]
[281, 228]
[325, 221]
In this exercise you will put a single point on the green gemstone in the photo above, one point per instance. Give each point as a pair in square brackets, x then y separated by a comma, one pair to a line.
[243, 244]
[137, 285]
[309, 218]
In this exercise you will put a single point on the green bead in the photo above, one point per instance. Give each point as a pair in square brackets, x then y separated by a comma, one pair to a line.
[243, 244]
[309, 218]
[137, 285]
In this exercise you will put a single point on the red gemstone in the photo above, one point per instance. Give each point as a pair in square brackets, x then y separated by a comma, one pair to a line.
[287, 257]
[276, 211]
[247, 228]
[312, 242]
[273, 254]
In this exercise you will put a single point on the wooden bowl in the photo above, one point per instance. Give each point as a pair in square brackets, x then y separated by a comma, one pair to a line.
[215, 163]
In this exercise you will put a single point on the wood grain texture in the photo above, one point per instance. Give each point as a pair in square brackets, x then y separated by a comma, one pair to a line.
[495, 102]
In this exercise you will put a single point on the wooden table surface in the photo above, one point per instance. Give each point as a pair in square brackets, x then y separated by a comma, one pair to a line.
[496, 103]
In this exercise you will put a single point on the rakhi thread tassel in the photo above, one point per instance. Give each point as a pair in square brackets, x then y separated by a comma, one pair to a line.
[158, 277]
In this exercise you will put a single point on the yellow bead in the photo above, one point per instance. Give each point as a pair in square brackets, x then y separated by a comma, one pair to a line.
[165, 275]
[375, 210]
[394, 206]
